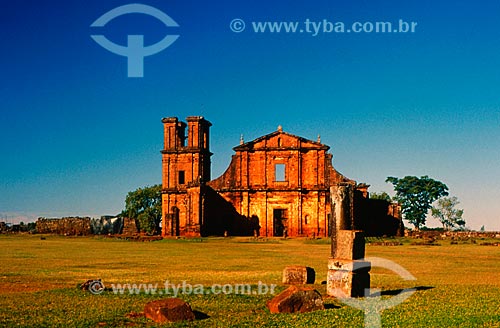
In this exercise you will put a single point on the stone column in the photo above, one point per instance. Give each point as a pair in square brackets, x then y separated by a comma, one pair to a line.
[348, 275]
[341, 209]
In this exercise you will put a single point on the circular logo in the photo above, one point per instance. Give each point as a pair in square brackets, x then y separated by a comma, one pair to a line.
[96, 287]
[237, 25]
[135, 51]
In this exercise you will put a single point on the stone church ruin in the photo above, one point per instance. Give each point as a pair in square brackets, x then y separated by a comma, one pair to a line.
[276, 185]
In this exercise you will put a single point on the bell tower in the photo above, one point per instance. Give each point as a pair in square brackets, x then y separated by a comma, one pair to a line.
[185, 170]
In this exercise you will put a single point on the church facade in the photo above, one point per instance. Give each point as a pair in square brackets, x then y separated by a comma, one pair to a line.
[276, 185]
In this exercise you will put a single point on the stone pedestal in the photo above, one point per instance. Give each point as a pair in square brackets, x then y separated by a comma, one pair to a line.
[298, 275]
[348, 275]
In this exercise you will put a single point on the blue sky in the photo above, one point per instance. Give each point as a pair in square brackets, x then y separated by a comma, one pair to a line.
[78, 134]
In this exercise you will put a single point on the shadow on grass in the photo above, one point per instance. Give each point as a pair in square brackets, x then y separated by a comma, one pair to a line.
[331, 306]
[200, 315]
[398, 291]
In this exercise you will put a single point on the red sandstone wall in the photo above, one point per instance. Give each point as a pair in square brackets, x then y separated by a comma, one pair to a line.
[250, 185]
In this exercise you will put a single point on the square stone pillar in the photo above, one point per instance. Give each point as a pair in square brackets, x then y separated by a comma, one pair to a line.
[348, 275]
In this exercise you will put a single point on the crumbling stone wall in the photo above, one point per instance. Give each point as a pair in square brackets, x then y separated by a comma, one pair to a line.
[293, 204]
[436, 234]
[129, 227]
[377, 217]
[69, 226]
[221, 218]
[83, 226]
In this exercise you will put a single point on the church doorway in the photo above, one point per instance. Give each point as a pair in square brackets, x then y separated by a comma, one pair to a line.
[280, 222]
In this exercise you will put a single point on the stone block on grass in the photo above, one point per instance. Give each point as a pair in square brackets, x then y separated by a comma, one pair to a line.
[298, 275]
[296, 299]
[168, 310]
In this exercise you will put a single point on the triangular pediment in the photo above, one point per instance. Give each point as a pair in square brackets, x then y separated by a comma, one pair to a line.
[280, 140]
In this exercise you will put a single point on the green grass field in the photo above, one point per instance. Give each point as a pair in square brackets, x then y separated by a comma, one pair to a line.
[459, 285]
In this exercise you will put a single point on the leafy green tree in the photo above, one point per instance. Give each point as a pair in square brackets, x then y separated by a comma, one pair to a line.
[144, 204]
[381, 195]
[32, 226]
[146, 223]
[416, 196]
[447, 214]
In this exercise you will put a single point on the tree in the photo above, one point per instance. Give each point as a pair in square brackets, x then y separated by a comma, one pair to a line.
[447, 214]
[144, 204]
[146, 223]
[416, 196]
[381, 195]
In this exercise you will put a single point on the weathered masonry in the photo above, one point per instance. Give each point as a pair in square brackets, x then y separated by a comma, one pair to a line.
[276, 185]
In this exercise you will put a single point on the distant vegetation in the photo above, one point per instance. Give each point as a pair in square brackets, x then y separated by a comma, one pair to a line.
[416, 196]
[381, 195]
[144, 205]
[449, 216]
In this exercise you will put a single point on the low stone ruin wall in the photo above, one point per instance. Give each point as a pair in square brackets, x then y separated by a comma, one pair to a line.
[129, 227]
[84, 226]
[69, 226]
[451, 234]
